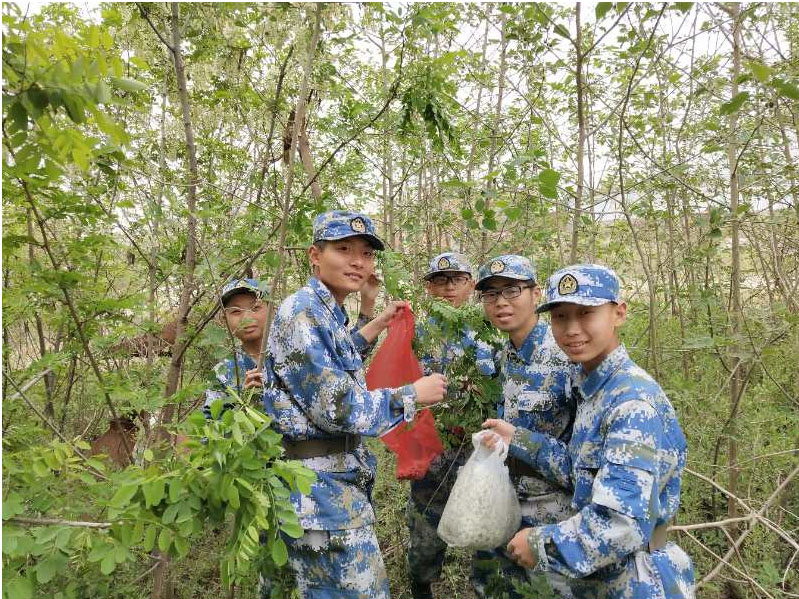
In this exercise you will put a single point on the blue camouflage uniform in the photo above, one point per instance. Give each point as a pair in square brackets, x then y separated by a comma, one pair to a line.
[317, 394]
[428, 496]
[536, 395]
[624, 465]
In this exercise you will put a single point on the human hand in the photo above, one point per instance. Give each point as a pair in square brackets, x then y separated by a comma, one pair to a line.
[392, 308]
[254, 379]
[502, 428]
[369, 291]
[519, 549]
[430, 389]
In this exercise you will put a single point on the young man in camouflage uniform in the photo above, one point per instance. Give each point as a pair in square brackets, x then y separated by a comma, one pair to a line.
[449, 277]
[244, 312]
[316, 392]
[536, 392]
[624, 461]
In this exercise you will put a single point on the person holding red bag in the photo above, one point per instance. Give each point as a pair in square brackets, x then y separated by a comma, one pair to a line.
[316, 392]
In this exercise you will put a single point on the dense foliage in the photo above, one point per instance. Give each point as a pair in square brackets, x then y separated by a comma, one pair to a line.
[151, 151]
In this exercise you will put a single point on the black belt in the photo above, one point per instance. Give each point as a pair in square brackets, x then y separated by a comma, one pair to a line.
[314, 448]
[517, 467]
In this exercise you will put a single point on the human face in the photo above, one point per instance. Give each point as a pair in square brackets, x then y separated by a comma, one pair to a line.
[246, 316]
[453, 287]
[516, 316]
[587, 334]
[344, 265]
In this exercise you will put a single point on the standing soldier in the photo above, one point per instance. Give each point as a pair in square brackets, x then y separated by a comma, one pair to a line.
[317, 393]
[536, 391]
[449, 277]
[624, 461]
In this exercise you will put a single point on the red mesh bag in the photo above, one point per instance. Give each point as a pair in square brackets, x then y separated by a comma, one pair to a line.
[416, 444]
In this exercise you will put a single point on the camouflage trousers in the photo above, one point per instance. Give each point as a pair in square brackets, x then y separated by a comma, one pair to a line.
[331, 564]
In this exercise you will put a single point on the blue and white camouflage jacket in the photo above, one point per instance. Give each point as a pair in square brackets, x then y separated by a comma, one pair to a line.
[624, 465]
[315, 389]
[229, 374]
[536, 395]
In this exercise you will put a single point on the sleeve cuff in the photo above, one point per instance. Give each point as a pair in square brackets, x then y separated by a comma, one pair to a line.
[536, 542]
[360, 343]
[525, 445]
[407, 396]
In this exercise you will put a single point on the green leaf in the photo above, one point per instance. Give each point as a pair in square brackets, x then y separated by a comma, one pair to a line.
[175, 488]
[149, 537]
[108, 564]
[153, 492]
[280, 554]
[12, 505]
[123, 495]
[18, 116]
[19, 588]
[602, 8]
[148, 455]
[233, 496]
[734, 105]
[761, 72]
[562, 31]
[127, 84]
[47, 568]
[683, 7]
[549, 177]
[182, 546]
[789, 90]
[292, 529]
[165, 540]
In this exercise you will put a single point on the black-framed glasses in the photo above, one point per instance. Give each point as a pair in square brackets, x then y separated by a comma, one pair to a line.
[442, 280]
[490, 295]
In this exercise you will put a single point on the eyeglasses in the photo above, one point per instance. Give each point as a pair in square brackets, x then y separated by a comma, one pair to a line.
[442, 280]
[235, 311]
[509, 292]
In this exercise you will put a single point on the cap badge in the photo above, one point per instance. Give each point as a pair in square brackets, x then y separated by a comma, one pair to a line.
[497, 266]
[443, 263]
[567, 284]
[358, 225]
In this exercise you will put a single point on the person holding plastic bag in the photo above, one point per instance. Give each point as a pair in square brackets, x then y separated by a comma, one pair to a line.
[536, 395]
[315, 390]
[623, 464]
[449, 278]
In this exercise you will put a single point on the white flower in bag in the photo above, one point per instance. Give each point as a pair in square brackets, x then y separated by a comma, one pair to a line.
[482, 511]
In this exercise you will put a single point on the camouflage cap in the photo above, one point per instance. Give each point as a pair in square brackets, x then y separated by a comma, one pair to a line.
[237, 286]
[584, 284]
[340, 224]
[448, 262]
[511, 266]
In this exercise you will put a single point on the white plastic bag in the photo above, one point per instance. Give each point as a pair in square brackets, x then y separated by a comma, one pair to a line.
[482, 511]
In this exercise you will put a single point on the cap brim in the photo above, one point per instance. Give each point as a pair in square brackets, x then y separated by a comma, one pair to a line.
[373, 240]
[501, 275]
[581, 301]
[430, 275]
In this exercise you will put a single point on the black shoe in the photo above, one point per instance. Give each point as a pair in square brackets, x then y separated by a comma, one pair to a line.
[421, 590]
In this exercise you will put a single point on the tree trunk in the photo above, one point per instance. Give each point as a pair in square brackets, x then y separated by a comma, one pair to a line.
[578, 198]
[492, 157]
[736, 316]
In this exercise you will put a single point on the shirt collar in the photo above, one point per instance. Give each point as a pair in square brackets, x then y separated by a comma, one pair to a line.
[590, 383]
[534, 339]
[328, 300]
